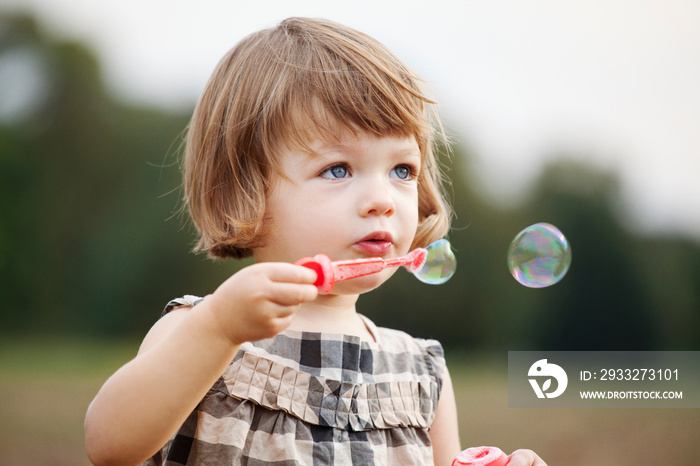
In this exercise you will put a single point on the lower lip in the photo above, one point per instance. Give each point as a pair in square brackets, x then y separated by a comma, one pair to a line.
[376, 248]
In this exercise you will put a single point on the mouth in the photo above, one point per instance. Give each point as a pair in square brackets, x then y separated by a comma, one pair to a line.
[377, 243]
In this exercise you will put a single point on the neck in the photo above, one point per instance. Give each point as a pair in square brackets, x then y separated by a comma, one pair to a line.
[331, 314]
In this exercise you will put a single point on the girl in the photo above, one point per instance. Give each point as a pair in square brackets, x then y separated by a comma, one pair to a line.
[309, 138]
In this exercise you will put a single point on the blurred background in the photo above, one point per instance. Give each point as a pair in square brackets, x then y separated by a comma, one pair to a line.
[585, 115]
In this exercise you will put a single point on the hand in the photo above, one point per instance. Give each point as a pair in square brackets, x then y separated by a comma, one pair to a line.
[260, 301]
[524, 458]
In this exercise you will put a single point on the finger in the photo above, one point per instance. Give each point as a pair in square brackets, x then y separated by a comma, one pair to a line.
[291, 294]
[290, 273]
[525, 458]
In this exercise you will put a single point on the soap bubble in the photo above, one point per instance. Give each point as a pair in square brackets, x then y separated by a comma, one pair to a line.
[539, 256]
[440, 264]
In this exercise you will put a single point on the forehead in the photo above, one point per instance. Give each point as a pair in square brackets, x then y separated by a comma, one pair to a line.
[364, 143]
[318, 133]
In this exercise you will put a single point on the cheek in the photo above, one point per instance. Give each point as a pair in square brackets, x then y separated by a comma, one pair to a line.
[410, 210]
[311, 218]
[320, 206]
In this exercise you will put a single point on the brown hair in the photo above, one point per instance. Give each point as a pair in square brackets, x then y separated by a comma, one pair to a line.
[282, 87]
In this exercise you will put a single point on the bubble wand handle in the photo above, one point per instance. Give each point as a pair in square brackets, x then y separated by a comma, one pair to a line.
[328, 272]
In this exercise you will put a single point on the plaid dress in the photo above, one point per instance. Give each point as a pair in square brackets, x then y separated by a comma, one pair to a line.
[307, 398]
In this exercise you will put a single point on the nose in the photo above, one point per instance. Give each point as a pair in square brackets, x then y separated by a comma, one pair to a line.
[377, 199]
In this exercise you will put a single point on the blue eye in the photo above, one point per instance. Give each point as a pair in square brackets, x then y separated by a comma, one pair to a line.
[403, 172]
[336, 172]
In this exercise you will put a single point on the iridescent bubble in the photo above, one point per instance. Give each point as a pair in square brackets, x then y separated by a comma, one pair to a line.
[539, 256]
[440, 264]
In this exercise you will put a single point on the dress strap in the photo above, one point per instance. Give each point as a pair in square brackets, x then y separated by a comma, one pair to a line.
[187, 300]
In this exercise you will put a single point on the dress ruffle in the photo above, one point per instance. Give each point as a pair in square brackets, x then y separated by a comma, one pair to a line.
[327, 402]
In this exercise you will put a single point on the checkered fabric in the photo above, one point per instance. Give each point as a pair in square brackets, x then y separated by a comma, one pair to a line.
[306, 398]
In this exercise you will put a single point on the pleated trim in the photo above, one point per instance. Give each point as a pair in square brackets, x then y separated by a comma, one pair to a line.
[326, 402]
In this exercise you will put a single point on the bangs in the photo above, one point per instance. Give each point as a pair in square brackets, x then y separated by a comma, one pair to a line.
[330, 81]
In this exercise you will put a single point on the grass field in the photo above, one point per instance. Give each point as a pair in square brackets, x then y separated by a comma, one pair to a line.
[46, 386]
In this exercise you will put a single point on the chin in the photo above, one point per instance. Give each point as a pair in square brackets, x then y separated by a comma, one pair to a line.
[363, 284]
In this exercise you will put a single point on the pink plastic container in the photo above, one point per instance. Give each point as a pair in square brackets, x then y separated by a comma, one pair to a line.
[481, 456]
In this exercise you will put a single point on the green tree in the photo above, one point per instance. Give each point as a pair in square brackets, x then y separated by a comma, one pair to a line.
[89, 239]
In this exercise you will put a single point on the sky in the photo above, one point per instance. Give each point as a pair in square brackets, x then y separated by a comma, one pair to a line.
[613, 84]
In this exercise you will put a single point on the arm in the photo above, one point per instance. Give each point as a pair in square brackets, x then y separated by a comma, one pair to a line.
[444, 431]
[143, 404]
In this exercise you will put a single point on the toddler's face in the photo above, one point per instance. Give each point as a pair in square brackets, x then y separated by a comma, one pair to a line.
[353, 197]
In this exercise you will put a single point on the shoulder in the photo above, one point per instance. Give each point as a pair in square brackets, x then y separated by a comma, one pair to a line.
[186, 301]
[425, 353]
[398, 341]
[175, 311]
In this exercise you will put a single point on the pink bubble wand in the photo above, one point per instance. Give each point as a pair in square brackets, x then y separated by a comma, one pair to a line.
[329, 272]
